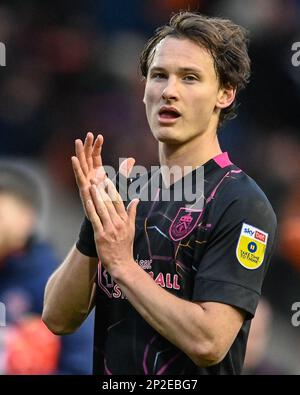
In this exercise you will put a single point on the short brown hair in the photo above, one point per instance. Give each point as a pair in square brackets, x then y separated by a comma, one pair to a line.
[226, 42]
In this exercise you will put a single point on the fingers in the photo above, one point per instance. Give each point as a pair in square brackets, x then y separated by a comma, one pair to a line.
[131, 210]
[96, 152]
[110, 200]
[93, 216]
[89, 156]
[88, 149]
[116, 199]
[126, 166]
[81, 183]
[100, 206]
[100, 174]
[79, 150]
[109, 206]
[79, 175]
[102, 212]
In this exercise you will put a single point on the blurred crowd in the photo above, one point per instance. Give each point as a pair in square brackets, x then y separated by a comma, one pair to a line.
[72, 67]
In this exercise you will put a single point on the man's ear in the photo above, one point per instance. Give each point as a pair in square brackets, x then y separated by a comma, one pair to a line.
[144, 80]
[226, 96]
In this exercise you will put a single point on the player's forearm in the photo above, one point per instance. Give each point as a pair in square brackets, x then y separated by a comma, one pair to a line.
[68, 294]
[183, 323]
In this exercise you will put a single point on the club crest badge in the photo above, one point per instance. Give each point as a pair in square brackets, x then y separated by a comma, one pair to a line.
[251, 247]
[184, 223]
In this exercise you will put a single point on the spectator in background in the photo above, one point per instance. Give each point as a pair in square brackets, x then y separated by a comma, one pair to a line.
[26, 263]
[257, 359]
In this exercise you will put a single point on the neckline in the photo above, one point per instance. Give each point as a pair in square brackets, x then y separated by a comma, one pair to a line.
[219, 161]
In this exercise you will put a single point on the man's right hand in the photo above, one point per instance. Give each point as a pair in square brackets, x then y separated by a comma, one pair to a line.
[88, 168]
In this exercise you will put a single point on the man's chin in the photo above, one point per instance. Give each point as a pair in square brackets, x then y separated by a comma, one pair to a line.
[168, 138]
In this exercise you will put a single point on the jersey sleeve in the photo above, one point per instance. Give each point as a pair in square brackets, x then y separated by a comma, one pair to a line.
[238, 249]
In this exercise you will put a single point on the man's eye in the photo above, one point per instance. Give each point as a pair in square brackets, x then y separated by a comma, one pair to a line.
[190, 78]
[158, 76]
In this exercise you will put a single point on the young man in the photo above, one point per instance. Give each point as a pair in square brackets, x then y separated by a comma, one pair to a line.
[177, 282]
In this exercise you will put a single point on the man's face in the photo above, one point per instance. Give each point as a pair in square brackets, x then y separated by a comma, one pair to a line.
[17, 221]
[181, 77]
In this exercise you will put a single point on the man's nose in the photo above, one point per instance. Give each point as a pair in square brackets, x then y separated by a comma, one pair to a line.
[171, 89]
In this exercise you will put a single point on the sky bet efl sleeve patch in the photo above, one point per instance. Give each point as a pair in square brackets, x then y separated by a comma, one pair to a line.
[251, 247]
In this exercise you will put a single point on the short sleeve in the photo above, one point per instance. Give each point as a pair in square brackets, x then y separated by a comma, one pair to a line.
[238, 249]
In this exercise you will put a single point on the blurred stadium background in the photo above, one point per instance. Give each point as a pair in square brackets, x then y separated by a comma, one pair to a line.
[72, 67]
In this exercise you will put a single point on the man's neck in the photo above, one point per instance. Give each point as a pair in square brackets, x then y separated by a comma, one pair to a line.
[192, 154]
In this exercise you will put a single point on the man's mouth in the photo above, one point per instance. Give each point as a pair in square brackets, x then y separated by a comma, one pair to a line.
[168, 113]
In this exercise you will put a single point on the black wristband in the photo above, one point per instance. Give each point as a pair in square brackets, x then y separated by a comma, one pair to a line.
[86, 243]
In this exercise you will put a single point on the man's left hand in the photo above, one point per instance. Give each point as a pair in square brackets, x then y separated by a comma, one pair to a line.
[114, 226]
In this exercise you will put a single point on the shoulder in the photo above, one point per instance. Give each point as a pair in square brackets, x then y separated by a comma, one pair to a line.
[240, 200]
[241, 189]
